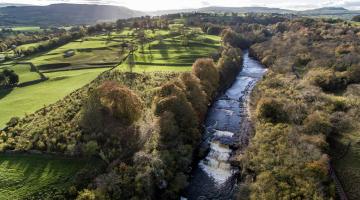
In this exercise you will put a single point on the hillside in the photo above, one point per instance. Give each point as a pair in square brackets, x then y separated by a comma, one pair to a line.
[63, 14]
[74, 14]
[245, 10]
[337, 12]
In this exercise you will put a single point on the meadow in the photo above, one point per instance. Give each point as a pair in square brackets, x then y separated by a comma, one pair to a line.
[26, 28]
[24, 71]
[25, 176]
[93, 55]
[28, 99]
[172, 53]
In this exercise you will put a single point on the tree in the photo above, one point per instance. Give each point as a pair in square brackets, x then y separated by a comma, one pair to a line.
[131, 61]
[8, 78]
[356, 18]
[206, 71]
[111, 103]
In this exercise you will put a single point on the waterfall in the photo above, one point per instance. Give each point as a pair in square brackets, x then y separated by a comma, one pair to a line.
[212, 179]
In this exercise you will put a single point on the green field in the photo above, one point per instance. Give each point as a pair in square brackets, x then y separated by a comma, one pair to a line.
[26, 28]
[23, 176]
[170, 54]
[162, 52]
[24, 72]
[31, 98]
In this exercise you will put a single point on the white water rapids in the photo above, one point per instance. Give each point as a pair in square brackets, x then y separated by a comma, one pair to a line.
[214, 176]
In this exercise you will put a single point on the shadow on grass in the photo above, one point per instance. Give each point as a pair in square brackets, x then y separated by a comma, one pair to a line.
[4, 92]
[40, 172]
[163, 49]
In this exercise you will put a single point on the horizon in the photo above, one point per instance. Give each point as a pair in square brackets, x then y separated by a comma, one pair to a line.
[139, 5]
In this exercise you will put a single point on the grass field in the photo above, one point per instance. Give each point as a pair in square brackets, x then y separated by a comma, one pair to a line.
[89, 52]
[170, 54]
[24, 72]
[162, 53]
[27, 28]
[31, 98]
[22, 176]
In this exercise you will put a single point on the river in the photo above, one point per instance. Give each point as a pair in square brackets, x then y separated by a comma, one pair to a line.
[226, 126]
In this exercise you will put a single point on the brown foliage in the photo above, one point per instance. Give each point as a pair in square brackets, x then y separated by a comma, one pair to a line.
[206, 71]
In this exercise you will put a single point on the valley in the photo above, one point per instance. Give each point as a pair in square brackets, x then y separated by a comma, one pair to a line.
[200, 103]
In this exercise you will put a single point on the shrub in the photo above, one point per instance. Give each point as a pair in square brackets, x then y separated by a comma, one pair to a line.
[354, 74]
[356, 18]
[344, 49]
[268, 60]
[317, 123]
[206, 71]
[111, 101]
[340, 122]
[91, 147]
[229, 66]
[8, 78]
[327, 79]
[120, 102]
[195, 94]
[230, 37]
[86, 195]
[271, 110]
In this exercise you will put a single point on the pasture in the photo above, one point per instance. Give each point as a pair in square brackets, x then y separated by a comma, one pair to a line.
[24, 71]
[162, 51]
[18, 101]
[25, 176]
[171, 54]
[26, 28]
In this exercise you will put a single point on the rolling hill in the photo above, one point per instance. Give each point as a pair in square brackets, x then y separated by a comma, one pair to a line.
[75, 14]
[63, 14]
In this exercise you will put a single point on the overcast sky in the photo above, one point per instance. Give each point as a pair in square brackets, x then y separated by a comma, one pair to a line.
[148, 5]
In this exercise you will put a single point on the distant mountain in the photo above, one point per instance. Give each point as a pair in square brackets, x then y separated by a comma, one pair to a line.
[73, 14]
[337, 12]
[63, 14]
[216, 9]
[13, 4]
[245, 10]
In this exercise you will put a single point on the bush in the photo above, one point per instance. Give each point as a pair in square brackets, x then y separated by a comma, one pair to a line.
[206, 71]
[317, 123]
[195, 94]
[214, 30]
[230, 37]
[354, 74]
[340, 122]
[90, 148]
[229, 66]
[111, 101]
[8, 78]
[86, 195]
[271, 110]
[356, 18]
[327, 79]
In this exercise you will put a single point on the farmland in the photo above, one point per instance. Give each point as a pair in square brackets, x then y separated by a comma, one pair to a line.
[28, 99]
[25, 176]
[93, 54]
[171, 54]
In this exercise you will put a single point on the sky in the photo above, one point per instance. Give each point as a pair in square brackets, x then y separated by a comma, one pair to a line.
[152, 5]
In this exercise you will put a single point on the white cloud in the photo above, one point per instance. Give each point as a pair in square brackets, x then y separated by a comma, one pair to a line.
[147, 5]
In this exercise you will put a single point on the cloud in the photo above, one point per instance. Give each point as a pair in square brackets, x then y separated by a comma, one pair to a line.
[205, 3]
